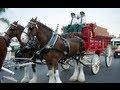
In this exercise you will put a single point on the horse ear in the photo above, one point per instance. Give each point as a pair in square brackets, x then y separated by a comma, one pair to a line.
[32, 19]
[35, 18]
[17, 22]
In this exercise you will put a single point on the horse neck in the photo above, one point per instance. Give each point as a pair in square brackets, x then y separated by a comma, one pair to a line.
[20, 28]
[9, 35]
[7, 38]
[20, 41]
[43, 35]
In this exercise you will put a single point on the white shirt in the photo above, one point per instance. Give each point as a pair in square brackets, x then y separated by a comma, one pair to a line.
[75, 21]
[83, 20]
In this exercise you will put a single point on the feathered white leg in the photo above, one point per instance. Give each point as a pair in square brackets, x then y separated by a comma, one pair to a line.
[57, 77]
[81, 76]
[75, 74]
[34, 79]
[51, 76]
[26, 75]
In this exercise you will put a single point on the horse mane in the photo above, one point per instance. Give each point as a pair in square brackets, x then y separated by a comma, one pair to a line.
[20, 27]
[44, 26]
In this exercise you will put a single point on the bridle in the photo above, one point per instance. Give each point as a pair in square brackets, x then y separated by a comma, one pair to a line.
[10, 36]
[31, 42]
[34, 23]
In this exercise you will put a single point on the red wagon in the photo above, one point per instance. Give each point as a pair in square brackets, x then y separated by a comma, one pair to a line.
[97, 42]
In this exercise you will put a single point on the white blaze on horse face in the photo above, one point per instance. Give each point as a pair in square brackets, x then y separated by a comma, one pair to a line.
[24, 36]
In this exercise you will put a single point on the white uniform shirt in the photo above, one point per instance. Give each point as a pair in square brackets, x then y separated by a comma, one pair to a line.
[75, 21]
[83, 20]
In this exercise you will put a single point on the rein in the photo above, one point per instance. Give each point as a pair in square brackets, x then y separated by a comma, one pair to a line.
[7, 40]
[8, 35]
[51, 43]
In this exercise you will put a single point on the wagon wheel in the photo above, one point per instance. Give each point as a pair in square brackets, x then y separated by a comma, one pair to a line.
[108, 56]
[95, 64]
[66, 64]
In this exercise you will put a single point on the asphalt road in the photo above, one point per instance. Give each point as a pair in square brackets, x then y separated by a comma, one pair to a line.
[105, 75]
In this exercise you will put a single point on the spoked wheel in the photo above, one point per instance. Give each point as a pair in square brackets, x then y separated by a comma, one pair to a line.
[66, 64]
[108, 56]
[95, 64]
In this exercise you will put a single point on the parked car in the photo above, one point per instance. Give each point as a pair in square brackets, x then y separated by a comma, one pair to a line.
[117, 52]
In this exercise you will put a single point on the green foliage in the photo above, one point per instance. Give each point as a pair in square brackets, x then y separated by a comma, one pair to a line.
[2, 10]
[5, 20]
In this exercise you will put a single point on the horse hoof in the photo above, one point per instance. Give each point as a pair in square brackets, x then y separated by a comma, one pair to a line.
[59, 81]
[81, 80]
[33, 81]
[73, 79]
[24, 80]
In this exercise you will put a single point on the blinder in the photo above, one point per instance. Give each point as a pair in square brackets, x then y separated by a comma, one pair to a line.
[32, 25]
[12, 28]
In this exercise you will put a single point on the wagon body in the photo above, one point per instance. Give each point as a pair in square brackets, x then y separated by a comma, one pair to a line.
[93, 42]
[97, 41]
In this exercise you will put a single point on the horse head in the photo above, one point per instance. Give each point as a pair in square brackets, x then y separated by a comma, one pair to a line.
[15, 30]
[30, 31]
[37, 29]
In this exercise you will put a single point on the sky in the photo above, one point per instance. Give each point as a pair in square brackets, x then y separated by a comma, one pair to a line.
[108, 18]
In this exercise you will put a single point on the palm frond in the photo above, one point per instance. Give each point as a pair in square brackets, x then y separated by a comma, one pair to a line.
[2, 10]
[5, 20]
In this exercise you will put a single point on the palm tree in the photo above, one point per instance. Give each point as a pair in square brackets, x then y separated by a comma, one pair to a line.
[3, 19]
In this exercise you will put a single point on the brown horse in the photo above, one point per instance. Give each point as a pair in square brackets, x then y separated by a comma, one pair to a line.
[54, 48]
[15, 30]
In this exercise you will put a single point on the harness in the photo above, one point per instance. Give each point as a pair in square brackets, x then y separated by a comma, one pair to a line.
[53, 41]
[67, 46]
[7, 40]
[50, 45]
[9, 36]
